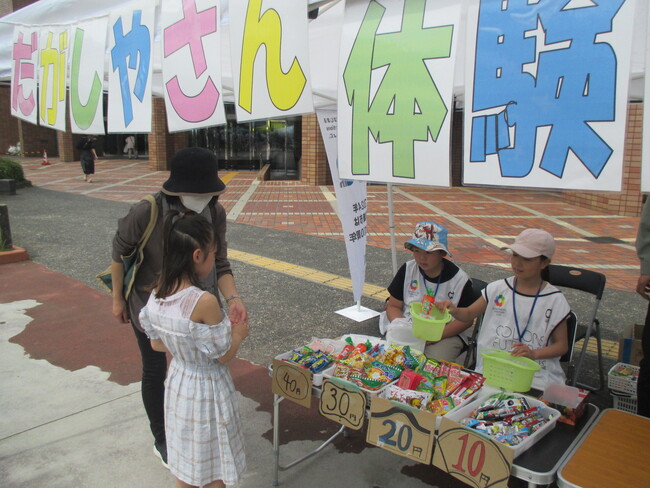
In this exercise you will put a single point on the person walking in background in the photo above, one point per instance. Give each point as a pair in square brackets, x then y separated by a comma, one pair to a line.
[193, 184]
[205, 445]
[87, 157]
[129, 147]
[643, 289]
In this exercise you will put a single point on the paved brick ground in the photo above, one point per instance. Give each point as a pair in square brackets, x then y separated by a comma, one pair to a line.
[478, 219]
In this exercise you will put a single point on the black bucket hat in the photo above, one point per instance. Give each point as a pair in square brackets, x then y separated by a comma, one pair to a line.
[193, 171]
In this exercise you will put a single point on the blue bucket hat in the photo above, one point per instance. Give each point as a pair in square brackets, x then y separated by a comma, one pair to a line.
[428, 236]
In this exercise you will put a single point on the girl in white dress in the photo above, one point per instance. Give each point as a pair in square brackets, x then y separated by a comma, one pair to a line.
[204, 434]
[524, 314]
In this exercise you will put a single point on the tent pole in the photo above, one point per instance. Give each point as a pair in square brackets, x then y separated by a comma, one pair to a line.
[391, 226]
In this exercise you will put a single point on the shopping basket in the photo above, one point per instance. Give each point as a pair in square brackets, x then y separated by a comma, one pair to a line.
[505, 371]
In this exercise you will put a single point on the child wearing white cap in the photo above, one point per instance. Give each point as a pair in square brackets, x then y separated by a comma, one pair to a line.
[524, 314]
[428, 273]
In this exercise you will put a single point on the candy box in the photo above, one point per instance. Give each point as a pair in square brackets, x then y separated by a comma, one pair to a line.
[570, 401]
[317, 378]
[629, 345]
[552, 415]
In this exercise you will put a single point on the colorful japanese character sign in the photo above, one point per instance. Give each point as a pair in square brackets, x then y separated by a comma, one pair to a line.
[270, 58]
[54, 42]
[87, 52]
[395, 91]
[191, 64]
[130, 41]
[24, 74]
[546, 93]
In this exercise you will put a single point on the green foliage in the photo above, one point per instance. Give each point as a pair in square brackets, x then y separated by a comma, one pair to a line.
[11, 170]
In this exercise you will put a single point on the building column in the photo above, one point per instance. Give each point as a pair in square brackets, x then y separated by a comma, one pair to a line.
[65, 141]
[159, 140]
[314, 169]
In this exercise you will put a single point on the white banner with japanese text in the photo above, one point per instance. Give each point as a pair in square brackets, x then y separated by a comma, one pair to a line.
[395, 91]
[546, 94]
[87, 76]
[53, 64]
[130, 43]
[24, 73]
[270, 58]
[352, 202]
[191, 64]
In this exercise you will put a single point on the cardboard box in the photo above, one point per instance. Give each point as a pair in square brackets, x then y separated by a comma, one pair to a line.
[629, 345]
[571, 402]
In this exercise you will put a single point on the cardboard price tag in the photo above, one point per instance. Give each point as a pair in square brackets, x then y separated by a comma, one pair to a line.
[292, 382]
[401, 430]
[343, 403]
[471, 457]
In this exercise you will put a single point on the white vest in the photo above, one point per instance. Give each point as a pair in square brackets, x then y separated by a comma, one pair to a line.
[499, 330]
[415, 289]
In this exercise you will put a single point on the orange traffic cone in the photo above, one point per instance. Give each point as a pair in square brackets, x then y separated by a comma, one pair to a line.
[45, 161]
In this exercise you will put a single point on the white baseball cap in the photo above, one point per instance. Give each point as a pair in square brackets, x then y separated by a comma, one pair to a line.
[532, 243]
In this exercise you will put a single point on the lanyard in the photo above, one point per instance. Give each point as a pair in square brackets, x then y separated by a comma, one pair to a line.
[514, 309]
[424, 282]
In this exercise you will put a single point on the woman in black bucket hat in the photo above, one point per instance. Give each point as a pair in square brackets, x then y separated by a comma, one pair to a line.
[193, 184]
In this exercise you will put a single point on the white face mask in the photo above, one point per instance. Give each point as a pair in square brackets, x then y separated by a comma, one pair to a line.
[196, 203]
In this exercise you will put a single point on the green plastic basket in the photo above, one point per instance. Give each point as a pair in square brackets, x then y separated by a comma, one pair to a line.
[503, 370]
[431, 328]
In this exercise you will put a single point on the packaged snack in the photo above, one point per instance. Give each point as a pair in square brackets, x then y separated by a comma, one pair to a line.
[441, 406]
[409, 380]
[417, 399]
[427, 305]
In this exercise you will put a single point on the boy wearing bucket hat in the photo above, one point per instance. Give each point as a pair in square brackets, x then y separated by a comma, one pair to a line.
[429, 272]
[524, 314]
[193, 184]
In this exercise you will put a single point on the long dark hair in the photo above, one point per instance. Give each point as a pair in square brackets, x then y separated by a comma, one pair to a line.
[183, 232]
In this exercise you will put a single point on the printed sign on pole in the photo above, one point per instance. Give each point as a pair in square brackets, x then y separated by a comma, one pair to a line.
[546, 94]
[395, 91]
[87, 76]
[270, 58]
[191, 64]
[53, 62]
[130, 42]
[352, 200]
[24, 71]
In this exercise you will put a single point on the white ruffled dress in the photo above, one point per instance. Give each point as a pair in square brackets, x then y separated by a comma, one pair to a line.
[202, 424]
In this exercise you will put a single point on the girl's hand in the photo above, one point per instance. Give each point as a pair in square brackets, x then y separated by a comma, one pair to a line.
[237, 311]
[445, 304]
[522, 350]
[240, 330]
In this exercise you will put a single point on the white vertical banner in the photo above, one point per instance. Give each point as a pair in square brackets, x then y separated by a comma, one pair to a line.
[352, 201]
[130, 44]
[546, 94]
[24, 73]
[269, 44]
[395, 91]
[87, 52]
[645, 148]
[191, 64]
[53, 62]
